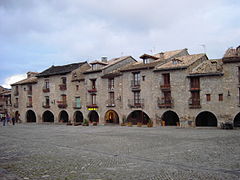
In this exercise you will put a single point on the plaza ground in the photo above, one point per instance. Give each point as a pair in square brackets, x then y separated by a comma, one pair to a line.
[60, 152]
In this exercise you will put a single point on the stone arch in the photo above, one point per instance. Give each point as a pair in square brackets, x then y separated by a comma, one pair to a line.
[138, 116]
[206, 118]
[78, 116]
[112, 117]
[170, 118]
[93, 116]
[30, 116]
[236, 121]
[63, 116]
[48, 116]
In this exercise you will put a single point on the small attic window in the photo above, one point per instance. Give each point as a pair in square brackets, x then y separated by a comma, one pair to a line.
[176, 61]
[146, 61]
[94, 66]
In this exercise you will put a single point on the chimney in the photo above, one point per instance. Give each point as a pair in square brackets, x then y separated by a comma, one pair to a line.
[161, 55]
[104, 59]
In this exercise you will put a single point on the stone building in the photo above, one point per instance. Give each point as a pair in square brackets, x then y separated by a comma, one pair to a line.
[5, 100]
[170, 88]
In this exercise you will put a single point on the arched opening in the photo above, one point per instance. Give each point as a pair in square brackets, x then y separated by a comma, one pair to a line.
[30, 116]
[78, 116]
[236, 121]
[63, 117]
[206, 118]
[17, 117]
[111, 117]
[170, 118]
[93, 116]
[48, 116]
[138, 116]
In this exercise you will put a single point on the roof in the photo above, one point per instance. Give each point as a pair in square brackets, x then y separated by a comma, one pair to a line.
[160, 58]
[109, 63]
[60, 70]
[208, 68]
[180, 62]
[30, 80]
[99, 62]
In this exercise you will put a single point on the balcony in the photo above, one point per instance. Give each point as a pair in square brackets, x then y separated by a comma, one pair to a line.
[77, 105]
[29, 104]
[165, 102]
[136, 103]
[91, 105]
[195, 88]
[93, 90]
[110, 103]
[62, 87]
[46, 89]
[135, 85]
[29, 92]
[16, 93]
[15, 105]
[62, 104]
[194, 103]
[45, 105]
[165, 87]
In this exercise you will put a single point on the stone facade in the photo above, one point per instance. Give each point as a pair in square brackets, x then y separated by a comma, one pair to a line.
[170, 88]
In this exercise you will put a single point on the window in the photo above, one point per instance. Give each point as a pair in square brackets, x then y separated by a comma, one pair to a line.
[47, 101]
[77, 87]
[93, 83]
[195, 82]
[220, 97]
[111, 83]
[208, 97]
[64, 99]
[143, 78]
[195, 98]
[137, 97]
[46, 84]
[111, 97]
[136, 78]
[64, 80]
[94, 99]
[146, 61]
[77, 102]
[166, 78]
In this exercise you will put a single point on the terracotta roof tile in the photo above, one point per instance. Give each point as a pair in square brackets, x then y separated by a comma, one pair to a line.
[30, 80]
[180, 62]
[209, 67]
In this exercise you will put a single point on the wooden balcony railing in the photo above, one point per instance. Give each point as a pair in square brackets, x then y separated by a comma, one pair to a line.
[136, 103]
[165, 102]
[195, 88]
[135, 84]
[194, 103]
[28, 104]
[110, 103]
[165, 87]
[62, 104]
[76, 105]
[92, 90]
[45, 105]
[62, 87]
[91, 105]
[46, 90]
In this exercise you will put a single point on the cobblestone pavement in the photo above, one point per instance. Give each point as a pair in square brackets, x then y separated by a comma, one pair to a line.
[60, 152]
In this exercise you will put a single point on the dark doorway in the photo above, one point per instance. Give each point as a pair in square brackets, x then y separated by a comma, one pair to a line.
[17, 116]
[138, 116]
[170, 118]
[30, 116]
[236, 121]
[63, 117]
[206, 119]
[48, 116]
[111, 117]
[78, 116]
[93, 116]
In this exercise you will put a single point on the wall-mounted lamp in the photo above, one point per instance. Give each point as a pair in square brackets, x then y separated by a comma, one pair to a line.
[228, 94]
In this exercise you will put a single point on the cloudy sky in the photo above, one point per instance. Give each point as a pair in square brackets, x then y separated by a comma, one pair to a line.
[35, 34]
